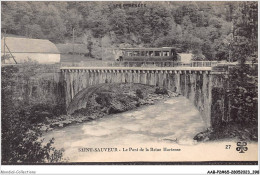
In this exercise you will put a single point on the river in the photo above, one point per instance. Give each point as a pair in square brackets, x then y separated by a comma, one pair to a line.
[140, 135]
[174, 120]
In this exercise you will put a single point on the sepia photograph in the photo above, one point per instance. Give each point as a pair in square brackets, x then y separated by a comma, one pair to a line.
[129, 83]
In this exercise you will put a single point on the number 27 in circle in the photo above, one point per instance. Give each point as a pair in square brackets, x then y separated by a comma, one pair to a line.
[228, 146]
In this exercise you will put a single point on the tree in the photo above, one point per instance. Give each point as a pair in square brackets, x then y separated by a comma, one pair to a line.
[245, 31]
[35, 31]
[20, 142]
[97, 22]
[192, 25]
[117, 22]
[243, 83]
[88, 40]
[243, 95]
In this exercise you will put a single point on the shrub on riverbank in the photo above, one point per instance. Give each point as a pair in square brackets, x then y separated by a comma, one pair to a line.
[20, 134]
[232, 130]
[112, 103]
[242, 96]
[139, 93]
[162, 91]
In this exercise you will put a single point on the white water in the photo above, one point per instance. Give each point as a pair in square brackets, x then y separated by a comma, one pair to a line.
[173, 122]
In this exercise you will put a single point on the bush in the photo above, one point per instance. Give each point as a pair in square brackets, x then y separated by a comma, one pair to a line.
[243, 95]
[161, 91]
[103, 99]
[39, 112]
[20, 138]
[139, 93]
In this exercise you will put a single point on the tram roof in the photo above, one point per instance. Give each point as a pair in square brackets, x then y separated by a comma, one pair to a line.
[153, 49]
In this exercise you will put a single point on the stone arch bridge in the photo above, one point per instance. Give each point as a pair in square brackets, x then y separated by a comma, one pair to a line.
[200, 85]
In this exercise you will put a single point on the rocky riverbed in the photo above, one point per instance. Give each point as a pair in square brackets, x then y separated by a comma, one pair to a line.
[228, 131]
[110, 99]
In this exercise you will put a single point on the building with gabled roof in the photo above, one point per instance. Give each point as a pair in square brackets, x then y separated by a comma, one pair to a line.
[24, 49]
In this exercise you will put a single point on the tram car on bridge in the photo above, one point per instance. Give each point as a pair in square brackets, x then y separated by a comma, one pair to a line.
[148, 54]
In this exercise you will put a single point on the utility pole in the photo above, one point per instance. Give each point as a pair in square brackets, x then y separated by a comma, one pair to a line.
[4, 45]
[101, 50]
[4, 49]
[73, 31]
[231, 43]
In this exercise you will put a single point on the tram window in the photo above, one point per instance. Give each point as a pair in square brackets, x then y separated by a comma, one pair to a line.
[173, 52]
[157, 53]
[150, 53]
[136, 53]
[129, 54]
[166, 53]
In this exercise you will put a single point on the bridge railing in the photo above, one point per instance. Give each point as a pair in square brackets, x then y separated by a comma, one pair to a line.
[139, 64]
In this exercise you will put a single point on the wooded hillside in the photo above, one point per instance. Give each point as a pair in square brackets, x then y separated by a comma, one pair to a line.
[203, 28]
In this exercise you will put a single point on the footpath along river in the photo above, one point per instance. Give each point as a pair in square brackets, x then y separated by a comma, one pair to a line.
[174, 121]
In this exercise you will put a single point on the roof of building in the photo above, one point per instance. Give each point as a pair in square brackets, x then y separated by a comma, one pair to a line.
[28, 45]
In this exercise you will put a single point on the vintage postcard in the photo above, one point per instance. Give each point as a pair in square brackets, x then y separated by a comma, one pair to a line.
[129, 83]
